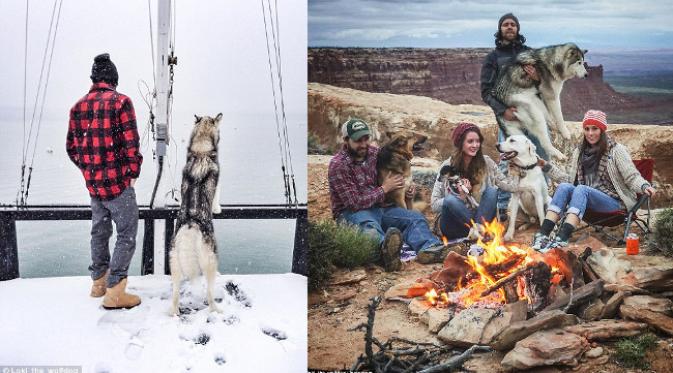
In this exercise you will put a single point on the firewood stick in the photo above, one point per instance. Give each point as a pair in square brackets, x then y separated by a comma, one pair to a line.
[570, 301]
[500, 283]
[456, 361]
[581, 295]
[588, 271]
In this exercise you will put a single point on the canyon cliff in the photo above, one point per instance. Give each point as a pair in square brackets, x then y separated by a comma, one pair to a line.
[452, 76]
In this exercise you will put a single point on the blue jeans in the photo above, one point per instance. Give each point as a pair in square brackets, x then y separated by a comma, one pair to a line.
[376, 220]
[455, 218]
[577, 199]
[123, 211]
[503, 196]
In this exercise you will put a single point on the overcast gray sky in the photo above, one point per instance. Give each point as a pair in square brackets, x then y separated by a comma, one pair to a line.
[221, 49]
[597, 25]
[222, 67]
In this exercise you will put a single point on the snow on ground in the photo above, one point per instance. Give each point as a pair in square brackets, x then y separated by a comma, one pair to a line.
[54, 321]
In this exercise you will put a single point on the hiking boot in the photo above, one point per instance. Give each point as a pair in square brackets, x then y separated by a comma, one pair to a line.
[556, 243]
[540, 240]
[390, 250]
[99, 285]
[117, 297]
[432, 254]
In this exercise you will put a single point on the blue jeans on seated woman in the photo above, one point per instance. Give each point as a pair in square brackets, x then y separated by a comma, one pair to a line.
[375, 221]
[576, 200]
[455, 218]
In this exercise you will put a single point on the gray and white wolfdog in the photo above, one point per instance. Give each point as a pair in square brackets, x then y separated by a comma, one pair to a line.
[193, 248]
[539, 104]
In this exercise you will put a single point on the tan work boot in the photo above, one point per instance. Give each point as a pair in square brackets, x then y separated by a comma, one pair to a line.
[99, 285]
[117, 297]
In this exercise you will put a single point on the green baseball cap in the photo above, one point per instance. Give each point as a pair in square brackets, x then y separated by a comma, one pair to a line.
[355, 128]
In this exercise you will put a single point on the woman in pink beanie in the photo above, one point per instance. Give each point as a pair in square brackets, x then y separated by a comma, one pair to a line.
[477, 173]
[601, 177]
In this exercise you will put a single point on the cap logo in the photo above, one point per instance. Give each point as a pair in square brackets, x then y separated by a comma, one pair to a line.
[358, 126]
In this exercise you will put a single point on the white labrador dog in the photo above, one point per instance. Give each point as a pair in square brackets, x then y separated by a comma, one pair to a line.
[528, 176]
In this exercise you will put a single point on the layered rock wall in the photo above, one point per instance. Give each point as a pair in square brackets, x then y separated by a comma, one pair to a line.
[453, 76]
[330, 106]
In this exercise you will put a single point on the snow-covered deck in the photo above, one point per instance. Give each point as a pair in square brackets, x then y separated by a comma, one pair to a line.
[53, 321]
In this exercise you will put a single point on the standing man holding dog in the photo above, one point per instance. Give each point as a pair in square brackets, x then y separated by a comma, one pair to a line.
[508, 43]
[103, 142]
[357, 198]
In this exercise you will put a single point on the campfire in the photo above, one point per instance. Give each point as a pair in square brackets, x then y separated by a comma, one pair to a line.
[538, 309]
[495, 273]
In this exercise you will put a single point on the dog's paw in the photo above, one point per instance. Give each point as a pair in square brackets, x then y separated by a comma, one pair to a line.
[564, 131]
[557, 154]
[508, 236]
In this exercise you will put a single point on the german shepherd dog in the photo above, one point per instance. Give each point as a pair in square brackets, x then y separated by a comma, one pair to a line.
[193, 248]
[395, 158]
[539, 103]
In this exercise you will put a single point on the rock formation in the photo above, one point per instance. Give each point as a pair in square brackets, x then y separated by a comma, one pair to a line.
[329, 106]
[452, 76]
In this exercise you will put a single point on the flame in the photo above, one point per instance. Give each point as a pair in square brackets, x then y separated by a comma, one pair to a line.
[441, 299]
[497, 261]
[445, 240]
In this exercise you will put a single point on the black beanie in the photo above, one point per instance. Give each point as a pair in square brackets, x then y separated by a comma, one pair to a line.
[104, 70]
[509, 16]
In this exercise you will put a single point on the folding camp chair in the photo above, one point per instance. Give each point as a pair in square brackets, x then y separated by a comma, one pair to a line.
[599, 221]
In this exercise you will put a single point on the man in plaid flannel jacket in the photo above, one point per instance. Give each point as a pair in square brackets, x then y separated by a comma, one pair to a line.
[103, 143]
[357, 198]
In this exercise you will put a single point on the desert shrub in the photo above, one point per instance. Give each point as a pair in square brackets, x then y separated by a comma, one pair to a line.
[662, 238]
[340, 245]
[630, 352]
[315, 147]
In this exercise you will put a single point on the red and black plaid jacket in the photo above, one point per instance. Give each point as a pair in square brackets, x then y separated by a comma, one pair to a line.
[353, 185]
[103, 141]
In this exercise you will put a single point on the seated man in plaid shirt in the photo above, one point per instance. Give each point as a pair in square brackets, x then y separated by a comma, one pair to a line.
[103, 143]
[357, 198]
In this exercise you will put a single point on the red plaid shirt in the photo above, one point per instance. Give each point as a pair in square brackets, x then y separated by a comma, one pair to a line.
[103, 141]
[353, 185]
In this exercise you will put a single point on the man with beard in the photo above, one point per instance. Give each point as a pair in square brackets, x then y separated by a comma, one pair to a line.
[508, 43]
[357, 198]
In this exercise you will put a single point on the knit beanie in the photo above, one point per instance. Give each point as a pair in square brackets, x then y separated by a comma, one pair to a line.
[460, 129]
[104, 70]
[595, 118]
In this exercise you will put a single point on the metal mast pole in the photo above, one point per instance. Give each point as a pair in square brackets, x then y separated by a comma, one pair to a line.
[163, 61]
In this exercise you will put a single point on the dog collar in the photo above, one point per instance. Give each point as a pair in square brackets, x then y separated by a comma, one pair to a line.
[529, 167]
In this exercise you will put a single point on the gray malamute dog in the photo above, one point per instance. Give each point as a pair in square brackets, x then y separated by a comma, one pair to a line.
[538, 104]
[193, 249]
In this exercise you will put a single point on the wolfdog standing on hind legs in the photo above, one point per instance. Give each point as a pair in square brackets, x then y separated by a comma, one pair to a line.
[193, 248]
[539, 104]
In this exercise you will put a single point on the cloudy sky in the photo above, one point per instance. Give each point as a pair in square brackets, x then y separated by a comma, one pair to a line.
[596, 25]
[222, 67]
[221, 49]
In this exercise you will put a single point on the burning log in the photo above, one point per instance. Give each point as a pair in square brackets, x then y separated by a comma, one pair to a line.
[537, 285]
[506, 280]
[505, 266]
[586, 268]
[581, 295]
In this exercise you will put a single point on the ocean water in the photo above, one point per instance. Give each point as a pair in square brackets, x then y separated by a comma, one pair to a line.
[250, 174]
